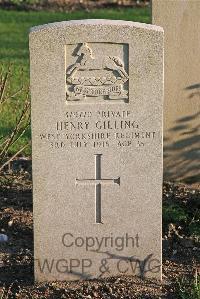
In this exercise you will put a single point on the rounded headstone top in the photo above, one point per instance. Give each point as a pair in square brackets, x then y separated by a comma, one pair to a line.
[93, 22]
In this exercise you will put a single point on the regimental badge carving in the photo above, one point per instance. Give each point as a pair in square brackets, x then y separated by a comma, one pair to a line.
[96, 76]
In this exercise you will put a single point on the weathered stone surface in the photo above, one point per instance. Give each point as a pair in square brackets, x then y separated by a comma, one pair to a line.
[97, 89]
[180, 20]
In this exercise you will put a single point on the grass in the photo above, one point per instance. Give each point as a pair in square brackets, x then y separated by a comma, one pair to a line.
[188, 289]
[14, 29]
[185, 215]
[15, 25]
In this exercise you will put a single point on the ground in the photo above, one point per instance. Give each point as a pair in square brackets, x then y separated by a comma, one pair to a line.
[181, 251]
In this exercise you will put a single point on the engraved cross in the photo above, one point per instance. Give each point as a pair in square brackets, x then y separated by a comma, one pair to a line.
[98, 181]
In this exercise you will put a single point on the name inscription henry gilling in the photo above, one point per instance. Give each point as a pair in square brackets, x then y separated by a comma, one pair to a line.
[100, 129]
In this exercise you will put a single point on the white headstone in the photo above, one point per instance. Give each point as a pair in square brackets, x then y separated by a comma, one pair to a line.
[97, 94]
